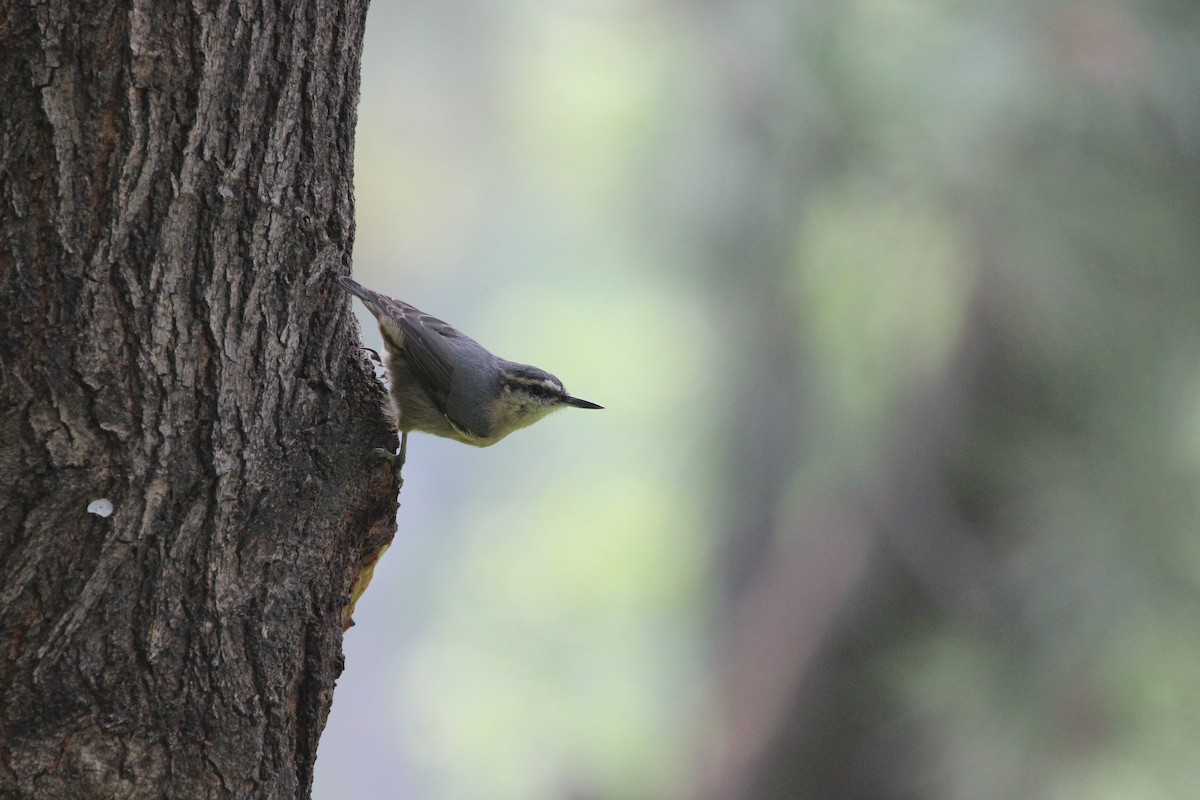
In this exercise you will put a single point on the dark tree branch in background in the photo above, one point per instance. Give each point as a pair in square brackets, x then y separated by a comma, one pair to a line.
[175, 206]
[938, 598]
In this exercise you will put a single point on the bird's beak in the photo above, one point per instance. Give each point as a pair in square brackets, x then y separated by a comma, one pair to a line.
[577, 403]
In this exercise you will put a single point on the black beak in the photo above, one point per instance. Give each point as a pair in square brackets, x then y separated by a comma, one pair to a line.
[577, 403]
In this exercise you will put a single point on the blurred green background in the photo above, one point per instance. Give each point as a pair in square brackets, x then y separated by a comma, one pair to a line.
[895, 310]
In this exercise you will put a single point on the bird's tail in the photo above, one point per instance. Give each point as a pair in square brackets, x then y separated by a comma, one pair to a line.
[375, 302]
[355, 288]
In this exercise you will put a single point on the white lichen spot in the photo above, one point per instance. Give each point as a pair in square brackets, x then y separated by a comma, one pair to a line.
[101, 508]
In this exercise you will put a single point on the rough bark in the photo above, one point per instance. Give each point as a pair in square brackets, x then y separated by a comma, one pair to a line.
[175, 206]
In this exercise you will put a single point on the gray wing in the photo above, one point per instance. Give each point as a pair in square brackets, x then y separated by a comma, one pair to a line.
[427, 342]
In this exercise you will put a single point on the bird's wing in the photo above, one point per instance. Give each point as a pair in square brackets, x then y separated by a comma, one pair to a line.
[427, 342]
[429, 347]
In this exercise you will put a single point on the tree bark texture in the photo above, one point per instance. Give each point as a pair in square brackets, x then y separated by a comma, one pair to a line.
[175, 205]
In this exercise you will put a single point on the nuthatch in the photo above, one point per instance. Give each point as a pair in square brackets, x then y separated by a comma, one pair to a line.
[446, 383]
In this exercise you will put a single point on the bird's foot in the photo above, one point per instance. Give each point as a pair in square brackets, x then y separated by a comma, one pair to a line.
[397, 462]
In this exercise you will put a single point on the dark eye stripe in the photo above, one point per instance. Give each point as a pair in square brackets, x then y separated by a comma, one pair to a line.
[538, 388]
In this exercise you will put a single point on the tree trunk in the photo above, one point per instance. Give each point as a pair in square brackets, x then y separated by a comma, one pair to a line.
[175, 206]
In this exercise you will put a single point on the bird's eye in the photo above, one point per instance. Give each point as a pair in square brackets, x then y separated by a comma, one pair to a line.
[540, 390]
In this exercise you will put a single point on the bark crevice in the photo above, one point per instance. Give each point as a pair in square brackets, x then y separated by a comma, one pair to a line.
[175, 196]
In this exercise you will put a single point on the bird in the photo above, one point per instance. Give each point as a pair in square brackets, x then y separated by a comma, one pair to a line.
[447, 384]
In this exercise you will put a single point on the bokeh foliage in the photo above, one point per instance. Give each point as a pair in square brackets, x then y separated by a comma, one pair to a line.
[895, 308]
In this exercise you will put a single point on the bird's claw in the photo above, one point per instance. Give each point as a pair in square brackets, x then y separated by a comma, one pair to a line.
[397, 462]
